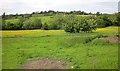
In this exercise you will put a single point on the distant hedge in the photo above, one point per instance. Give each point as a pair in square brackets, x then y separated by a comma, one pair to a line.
[70, 23]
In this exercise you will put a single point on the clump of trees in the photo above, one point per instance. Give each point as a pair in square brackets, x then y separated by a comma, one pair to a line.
[23, 24]
[117, 22]
[45, 26]
[72, 23]
[32, 24]
[48, 13]
[76, 25]
[104, 21]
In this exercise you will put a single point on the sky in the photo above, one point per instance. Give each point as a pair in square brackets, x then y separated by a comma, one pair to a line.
[29, 6]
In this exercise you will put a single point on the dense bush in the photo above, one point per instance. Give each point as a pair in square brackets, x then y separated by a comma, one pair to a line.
[117, 23]
[89, 24]
[75, 25]
[28, 24]
[37, 23]
[70, 23]
[58, 21]
[45, 26]
[104, 21]
[22, 24]
[32, 24]
[9, 25]
[54, 26]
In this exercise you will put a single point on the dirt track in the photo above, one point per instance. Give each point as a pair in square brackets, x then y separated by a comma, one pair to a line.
[45, 63]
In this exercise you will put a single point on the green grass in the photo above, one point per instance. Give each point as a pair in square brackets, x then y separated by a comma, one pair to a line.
[21, 45]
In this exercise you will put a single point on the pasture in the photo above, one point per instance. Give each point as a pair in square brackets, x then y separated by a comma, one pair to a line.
[78, 50]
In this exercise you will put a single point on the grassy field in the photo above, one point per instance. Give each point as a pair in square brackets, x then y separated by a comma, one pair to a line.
[20, 46]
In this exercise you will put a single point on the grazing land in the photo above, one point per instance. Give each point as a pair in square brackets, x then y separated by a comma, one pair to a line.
[74, 50]
[60, 40]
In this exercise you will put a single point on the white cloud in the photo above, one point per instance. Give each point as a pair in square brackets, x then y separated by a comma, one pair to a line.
[25, 6]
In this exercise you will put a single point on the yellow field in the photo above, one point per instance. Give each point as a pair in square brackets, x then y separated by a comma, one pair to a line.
[50, 32]
[108, 28]
[27, 32]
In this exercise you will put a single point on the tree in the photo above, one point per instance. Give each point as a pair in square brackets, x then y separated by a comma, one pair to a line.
[107, 21]
[28, 24]
[3, 18]
[100, 23]
[69, 27]
[70, 21]
[98, 13]
[20, 23]
[45, 26]
[76, 25]
[118, 20]
[37, 24]
[84, 25]
[9, 26]
[32, 24]
[16, 16]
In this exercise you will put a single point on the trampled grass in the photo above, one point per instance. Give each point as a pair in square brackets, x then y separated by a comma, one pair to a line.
[22, 45]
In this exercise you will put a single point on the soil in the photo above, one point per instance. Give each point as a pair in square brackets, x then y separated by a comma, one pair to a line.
[45, 63]
[111, 39]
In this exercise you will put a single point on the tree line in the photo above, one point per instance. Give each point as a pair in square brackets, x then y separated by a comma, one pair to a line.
[49, 13]
[70, 23]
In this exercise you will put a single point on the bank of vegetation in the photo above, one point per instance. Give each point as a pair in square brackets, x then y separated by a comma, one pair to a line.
[73, 22]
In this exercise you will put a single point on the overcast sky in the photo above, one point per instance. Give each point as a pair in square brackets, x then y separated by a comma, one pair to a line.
[29, 6]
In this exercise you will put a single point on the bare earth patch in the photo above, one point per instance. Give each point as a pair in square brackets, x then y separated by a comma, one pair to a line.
[45, 63]
[111, 39]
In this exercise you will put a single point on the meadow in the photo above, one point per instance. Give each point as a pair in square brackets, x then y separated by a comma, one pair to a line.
[78, 50]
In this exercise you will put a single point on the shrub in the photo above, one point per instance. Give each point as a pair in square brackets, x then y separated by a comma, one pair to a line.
[32, 24]
[104, 21]
[75, 25]
[45, 26]
[71, 23]
[117, 23]
[57, 22]
[37, 24]
[27, 25]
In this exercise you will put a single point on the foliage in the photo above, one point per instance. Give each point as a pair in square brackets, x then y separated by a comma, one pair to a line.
[22, 23]
[75, 25]
[37, 23]
[70, 22]
[45, 26]
[32, 24]
[117, 23]
[104, 21]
